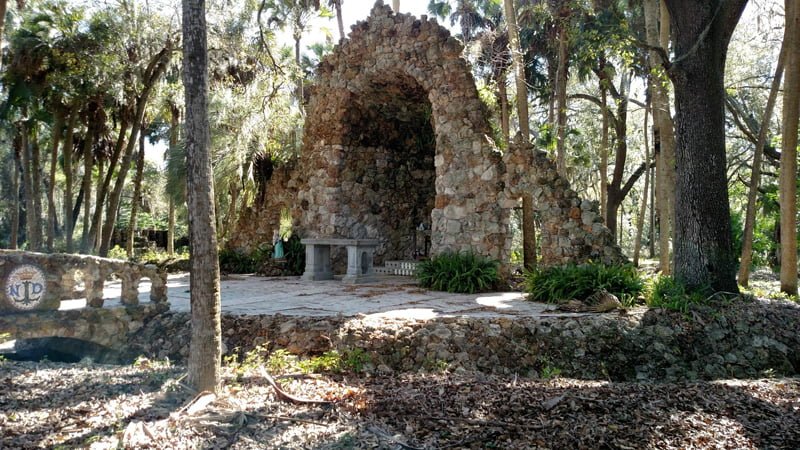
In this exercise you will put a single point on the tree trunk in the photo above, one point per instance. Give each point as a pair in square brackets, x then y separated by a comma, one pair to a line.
[703, 242]
[88, 164]
[637, 242]
[15, 205]
[663, 127]
[69, 224]
[338, 5]
[95, 233]
[396, 6]
[173, 145]
[171, 228]
[3, 6]
[155, 68]
[55, 140]
[205, 349]
[562, 76]
[617, 190]
[502, 94]
[788, 175]
[528, 226]
[31, 222]
[137, 194]
[755, 178]
[105, 183]
[604, 148]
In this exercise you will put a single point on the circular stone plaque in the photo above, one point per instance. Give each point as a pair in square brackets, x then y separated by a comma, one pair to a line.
[25, 287]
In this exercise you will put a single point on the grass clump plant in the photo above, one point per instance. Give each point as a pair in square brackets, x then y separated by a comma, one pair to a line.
[669, 293]
[463, 272]
[558, 283]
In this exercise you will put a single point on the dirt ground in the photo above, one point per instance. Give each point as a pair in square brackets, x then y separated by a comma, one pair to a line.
[147, 405]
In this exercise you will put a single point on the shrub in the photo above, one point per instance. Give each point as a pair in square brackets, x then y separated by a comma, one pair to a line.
[236, 261]
[463, 272]
[669, 293]
[553, 284]
[295, 254]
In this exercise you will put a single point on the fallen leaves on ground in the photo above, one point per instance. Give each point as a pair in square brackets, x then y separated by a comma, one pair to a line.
[47, 405]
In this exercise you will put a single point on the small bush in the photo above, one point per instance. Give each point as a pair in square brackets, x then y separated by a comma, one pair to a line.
[463, 272]
[669, 293]
[557, 283]
[295, 254]
[236, 261]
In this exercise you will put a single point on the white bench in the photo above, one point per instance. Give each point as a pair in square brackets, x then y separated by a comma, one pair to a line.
[360, 253]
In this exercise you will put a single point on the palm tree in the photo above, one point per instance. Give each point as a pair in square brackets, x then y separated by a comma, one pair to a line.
[205, 348]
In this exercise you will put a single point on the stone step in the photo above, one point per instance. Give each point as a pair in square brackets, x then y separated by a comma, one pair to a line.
[405, 268]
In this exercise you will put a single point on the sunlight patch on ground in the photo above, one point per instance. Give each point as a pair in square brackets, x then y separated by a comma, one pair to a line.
[410, 313]
[500, 301]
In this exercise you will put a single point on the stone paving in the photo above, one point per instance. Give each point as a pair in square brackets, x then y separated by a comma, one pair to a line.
[387, 297]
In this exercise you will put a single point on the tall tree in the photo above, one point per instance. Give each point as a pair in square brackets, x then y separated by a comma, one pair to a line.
[788, 176]
[657, 32]
[337, 6]
[396, 6]
[702, 30]
[562, 13]
[205, 348]
[528, 228]
[755, 178]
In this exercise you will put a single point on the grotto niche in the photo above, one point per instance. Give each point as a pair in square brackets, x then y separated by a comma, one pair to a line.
[396, 136]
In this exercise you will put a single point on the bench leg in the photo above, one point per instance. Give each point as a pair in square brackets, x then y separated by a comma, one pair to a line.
[318, 263]
[359, 264]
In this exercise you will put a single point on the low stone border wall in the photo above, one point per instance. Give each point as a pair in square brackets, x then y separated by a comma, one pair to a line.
[741, 340]
[39, 281]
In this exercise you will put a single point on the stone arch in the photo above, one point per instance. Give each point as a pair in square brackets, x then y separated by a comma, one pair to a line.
[399, 65]
[398, 76]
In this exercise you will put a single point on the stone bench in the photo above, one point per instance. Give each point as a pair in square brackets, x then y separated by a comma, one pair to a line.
[360, 254]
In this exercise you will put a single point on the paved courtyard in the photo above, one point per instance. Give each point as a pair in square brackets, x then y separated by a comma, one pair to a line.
[389, 297]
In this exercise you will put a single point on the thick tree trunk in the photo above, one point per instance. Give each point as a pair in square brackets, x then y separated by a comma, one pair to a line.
[788, 176]
[703, 242]
[637, 242]
[68, 179]
[755, 178]
[396, 6]
[205, 349]
[55, 141]
[137, 195]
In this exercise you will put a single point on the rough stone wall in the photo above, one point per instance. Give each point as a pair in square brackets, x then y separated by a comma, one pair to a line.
[400, 64]
[109, 327]
[396, 136]
[733, 340]
[60, 271]
[572, 230]
[257, 223]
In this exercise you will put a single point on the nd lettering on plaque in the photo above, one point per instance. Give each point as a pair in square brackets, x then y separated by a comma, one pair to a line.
[25, 287]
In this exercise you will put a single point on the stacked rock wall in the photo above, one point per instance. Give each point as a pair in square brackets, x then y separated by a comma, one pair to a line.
[396, 137]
